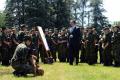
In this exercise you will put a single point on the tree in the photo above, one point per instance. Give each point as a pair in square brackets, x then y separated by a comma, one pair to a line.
[46, 13]
[79, 11]
[2, 19]
[98, 19]
[63, 14]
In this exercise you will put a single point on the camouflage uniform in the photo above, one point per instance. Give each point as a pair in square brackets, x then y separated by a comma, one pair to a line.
[90, 49]
[54, 38]
[116, 48]
[107, 56]
[101, 49]
[96, 38]
[20, 60]
[62, 48]
[6, 49]
[35, 45]
[83, 56]
[14, 38]
[0, 47]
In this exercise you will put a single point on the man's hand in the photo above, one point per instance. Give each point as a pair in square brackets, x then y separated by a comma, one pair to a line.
[33, 62]
[34, 57]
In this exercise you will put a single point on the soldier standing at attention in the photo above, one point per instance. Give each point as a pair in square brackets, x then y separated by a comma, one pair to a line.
[35, 39]
[90, 47]
[14, 38]
[6, 47]
[96, 40]
[100, 47]
[116, 46]
[106, 45]
[0, 44]
[62, 46]
[83, 46]
[54, 38]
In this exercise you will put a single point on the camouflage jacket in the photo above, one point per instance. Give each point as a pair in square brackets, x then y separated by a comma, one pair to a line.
[20, 55]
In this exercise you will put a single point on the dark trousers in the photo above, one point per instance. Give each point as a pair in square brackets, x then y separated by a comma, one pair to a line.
[23, 69]
[107, 56]
[53, 52]
[83, 54]
[0, 53]
[6, 55]
[101, 55]
[73, 54]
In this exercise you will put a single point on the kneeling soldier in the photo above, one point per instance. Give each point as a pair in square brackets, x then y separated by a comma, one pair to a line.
[22, 62]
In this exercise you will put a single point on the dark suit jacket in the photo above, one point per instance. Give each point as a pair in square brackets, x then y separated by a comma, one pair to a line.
[74, 37]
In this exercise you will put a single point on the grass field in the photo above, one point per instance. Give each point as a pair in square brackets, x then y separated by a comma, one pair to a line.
[63, 71]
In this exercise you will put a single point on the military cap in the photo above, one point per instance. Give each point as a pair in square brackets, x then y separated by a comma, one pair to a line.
[33, 30]
[117, 26]
[22, 25]
[89, 27]
[27, 37]
[46, 30]
[105, 28]
[55, 28]
[50, 30]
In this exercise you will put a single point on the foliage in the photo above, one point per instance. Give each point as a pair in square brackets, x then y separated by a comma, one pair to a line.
[79, 8]
[89, 12]
[55, 13]
[98, 19]
[47, 13]
[2, 19]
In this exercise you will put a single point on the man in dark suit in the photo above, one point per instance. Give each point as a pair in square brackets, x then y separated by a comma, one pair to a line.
[74, 42]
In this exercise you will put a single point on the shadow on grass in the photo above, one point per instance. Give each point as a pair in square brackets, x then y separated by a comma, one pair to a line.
[2, 73]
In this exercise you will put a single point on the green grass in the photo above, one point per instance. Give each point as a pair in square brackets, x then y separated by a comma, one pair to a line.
[63, 71]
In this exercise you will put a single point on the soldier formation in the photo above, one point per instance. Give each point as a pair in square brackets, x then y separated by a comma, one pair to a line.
[85, 48]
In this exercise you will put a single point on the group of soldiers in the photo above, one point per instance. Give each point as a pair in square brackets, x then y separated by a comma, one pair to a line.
[106, 45]
[10, 38]
[91, 45]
